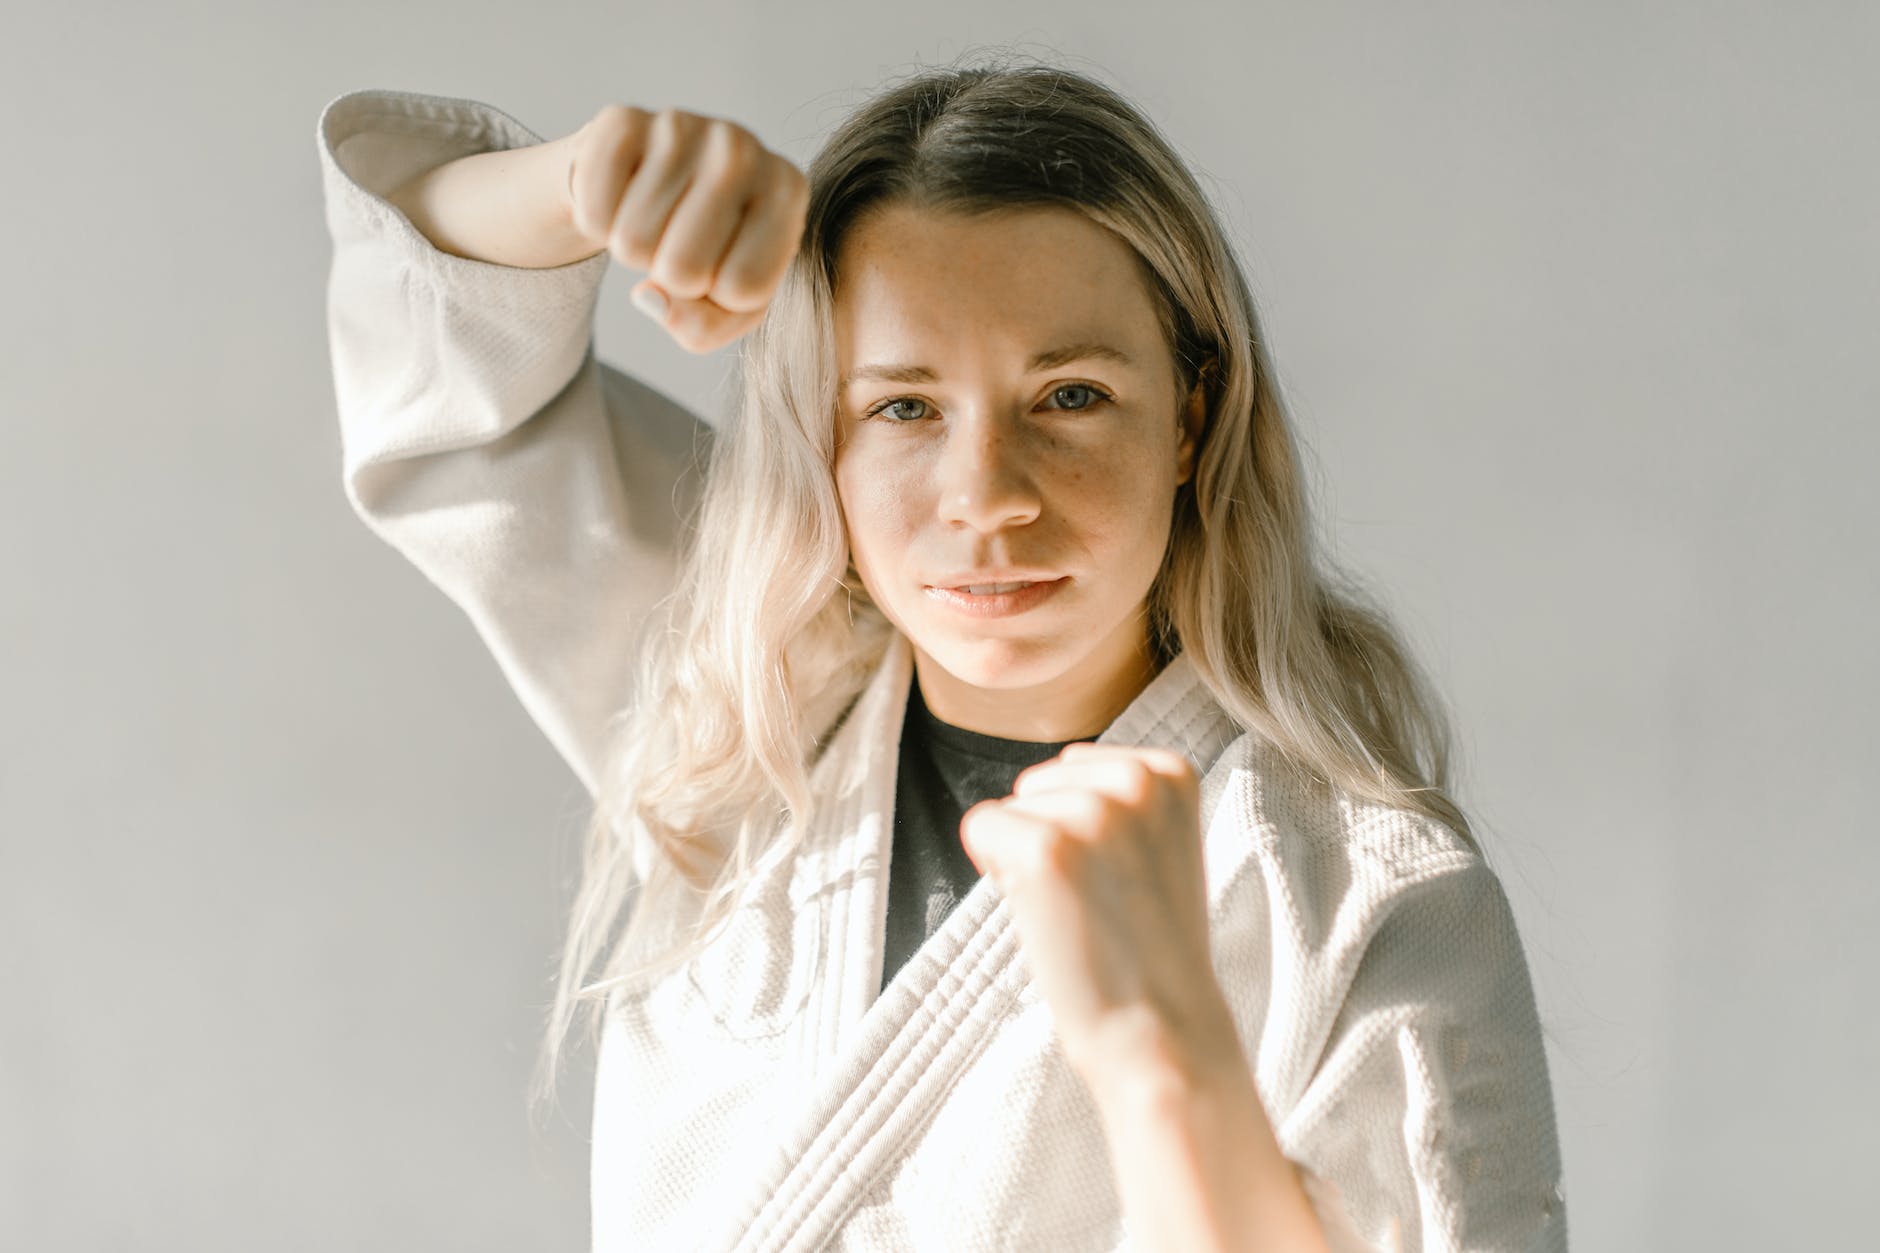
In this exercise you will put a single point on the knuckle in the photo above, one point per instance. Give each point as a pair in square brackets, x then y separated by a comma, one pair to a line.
[796, 184]
[675, 124]
[633, 243]
[1059, 854]
[621, 120]
[1028, 860]
[736, 148]
[634, 257]
[1186, 777]
[1136, 782]
[736, 288]
[680, 270]
[1103, 810]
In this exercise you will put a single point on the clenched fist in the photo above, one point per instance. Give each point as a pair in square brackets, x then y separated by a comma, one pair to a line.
[709, 213]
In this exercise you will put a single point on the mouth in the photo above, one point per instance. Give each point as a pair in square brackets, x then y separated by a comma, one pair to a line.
[991, 589]
[997, 600]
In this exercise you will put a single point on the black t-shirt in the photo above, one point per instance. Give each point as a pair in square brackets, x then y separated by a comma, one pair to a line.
[944, 771]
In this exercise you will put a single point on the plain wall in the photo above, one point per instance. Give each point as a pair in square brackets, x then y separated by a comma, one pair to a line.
[1576, 309]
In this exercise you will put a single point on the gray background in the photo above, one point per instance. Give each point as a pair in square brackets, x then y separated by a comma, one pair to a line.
[1575, 306]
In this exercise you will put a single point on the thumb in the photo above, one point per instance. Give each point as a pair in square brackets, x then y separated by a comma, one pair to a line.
[980, 861]
[698, 326]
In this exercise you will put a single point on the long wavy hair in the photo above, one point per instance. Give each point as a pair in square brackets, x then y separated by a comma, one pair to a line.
[769, 634]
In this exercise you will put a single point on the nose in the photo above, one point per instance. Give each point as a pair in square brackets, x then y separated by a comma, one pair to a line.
[985, 477]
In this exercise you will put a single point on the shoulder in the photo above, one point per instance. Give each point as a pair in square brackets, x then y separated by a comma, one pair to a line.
[1328, 851]
[1327, 908]
[1245, 780]
[1292, 806]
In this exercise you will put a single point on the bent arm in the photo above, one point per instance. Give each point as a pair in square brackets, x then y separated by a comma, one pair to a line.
[541, 490]
[507, 206]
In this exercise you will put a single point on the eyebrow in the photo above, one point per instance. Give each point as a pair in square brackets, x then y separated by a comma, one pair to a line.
[1049, 359]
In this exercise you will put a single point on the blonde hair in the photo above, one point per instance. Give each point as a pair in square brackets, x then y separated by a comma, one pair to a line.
[769, 634]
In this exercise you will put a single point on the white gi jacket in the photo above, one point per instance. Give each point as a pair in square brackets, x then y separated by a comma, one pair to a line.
[765, 1098]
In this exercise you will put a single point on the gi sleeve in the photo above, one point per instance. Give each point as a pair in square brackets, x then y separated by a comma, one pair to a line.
[544, 492]
[1429, 1124]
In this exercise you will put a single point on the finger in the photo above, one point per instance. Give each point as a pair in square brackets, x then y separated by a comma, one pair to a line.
[1164, 761]
[606, 156]
[662, 177]
[701, 326]
[767, 238]
[1166, 758]
[707, 216]
[1128, 776]
[1004, 842]
[1080, 812]
[1117, 776]
[768, 234]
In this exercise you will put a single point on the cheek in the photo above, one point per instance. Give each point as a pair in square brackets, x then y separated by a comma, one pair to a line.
[1118, 500]
[877, 505]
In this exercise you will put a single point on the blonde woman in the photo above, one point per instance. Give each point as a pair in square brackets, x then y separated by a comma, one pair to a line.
[1008, 832]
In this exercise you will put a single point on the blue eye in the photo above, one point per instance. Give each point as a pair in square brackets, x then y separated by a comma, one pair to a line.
[1100, 397]
[891, 403]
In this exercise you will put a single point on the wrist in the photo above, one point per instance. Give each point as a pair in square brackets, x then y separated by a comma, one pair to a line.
[550, 189]
[1196, 1159]
[1144, 1063]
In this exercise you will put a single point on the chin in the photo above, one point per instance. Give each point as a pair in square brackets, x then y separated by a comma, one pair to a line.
[994, 664]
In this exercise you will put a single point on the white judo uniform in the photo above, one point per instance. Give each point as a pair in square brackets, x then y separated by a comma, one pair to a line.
[765, 1097]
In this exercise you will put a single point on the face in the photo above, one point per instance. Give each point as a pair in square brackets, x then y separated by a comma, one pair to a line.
[971, 453]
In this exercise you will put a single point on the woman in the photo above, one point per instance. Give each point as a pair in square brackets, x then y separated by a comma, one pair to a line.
[1010, 474]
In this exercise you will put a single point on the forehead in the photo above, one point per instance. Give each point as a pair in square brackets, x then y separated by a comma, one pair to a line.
[915, 280]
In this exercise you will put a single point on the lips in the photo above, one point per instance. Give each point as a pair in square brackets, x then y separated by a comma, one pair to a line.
[1002, 580]
[1004, 599]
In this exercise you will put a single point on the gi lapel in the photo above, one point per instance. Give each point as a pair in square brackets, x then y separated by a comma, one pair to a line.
[884, 1063]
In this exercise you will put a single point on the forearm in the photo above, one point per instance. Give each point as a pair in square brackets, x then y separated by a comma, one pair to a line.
[1197, 1166]
[508, 207]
